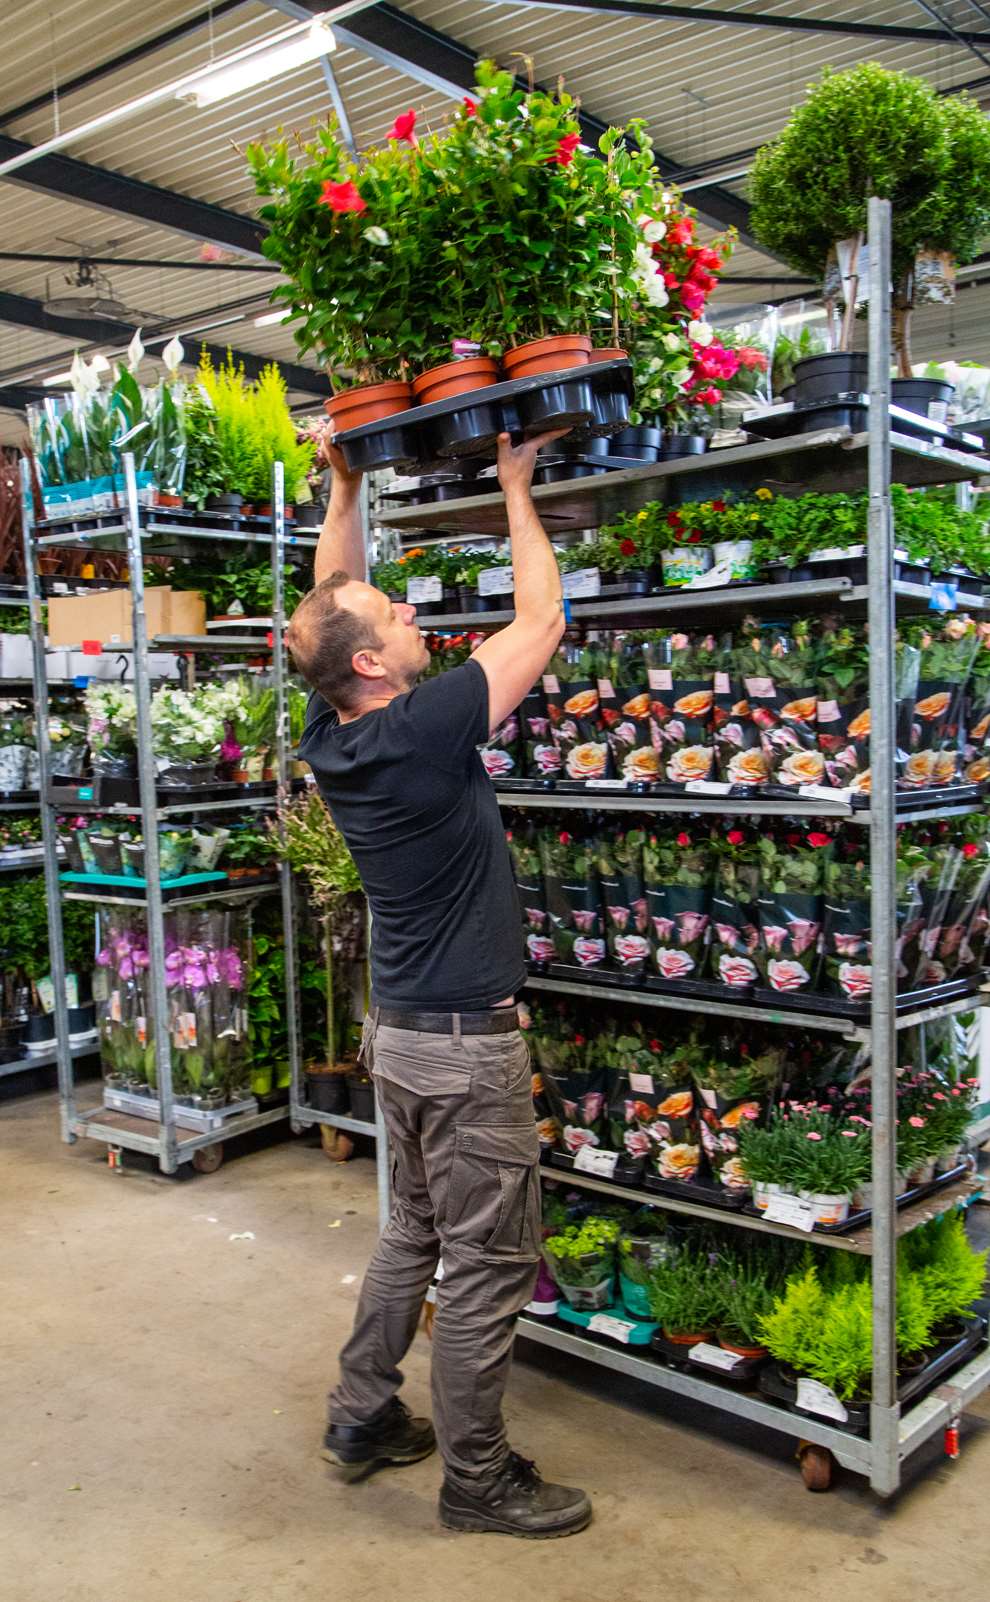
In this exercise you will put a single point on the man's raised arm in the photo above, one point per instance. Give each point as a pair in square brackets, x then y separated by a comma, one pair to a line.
[514, 658]
[341, 544]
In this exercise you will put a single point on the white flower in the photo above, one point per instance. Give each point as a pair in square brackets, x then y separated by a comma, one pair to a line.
[172, 354]
[645, 264]
[99, 364]
[683, 377]
[656, 291]
[673, 343]
[135, 352]
[653, 230]
[377, 236]
[701, 332]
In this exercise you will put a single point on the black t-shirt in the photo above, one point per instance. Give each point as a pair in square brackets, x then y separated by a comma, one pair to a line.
[409, 793]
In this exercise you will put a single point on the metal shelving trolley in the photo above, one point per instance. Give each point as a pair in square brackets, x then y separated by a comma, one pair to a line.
[831, 459]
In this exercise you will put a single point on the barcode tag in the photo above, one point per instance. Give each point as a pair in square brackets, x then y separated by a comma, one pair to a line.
[605, 690]
[551, 684]
[585, 581]
[713, 1356]
[792, 1210]
[590, 1161]
[642, 1084]
[824, 792]
[607, 784]
[424, 589]
[815, 1397]
[618, 1329]
[723, 684]
[496, 581]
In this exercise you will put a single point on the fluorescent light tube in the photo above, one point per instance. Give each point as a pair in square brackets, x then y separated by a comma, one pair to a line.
[274, 63]
[58, 378]
[272, 317]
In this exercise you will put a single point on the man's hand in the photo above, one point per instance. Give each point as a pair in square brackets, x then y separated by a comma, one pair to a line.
[330, 455]
[516, 462]
[341, 544]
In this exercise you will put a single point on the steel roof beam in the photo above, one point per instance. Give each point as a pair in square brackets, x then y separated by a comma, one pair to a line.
[22, 312]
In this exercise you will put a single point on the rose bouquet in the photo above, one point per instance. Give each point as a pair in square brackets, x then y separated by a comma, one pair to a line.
[738, 747]
[524, 849]
[791, 908]
[570, 875]
[540, 756]
[669, 1117]
[625, 707]
[948, 651]
[784, 700]
[677, 866]
[735, 918]
[846, 918]
[681, 675]
[620, 870]
[571, 688]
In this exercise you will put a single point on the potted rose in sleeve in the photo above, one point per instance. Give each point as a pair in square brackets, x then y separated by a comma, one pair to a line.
[525, 853]
[791, 907]
[620, 868]
[571, 688]
[947, 655]
[734, 913]
[678, 873]
[681, 675]
[738, 747]
[570, 875]
[624, 695]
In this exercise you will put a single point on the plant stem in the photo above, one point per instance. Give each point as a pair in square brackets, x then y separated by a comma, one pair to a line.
[328, 960]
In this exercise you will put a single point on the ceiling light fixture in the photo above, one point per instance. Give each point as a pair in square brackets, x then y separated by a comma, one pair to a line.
[58, 378]
[272, 62]
[272, 317]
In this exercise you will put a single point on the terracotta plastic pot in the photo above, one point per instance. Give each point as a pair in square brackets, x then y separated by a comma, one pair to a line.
[729, 1343]
[367, 404]
[608, 353]
[265, 510]
[161, 499]
[547, 355]
[685, 1338]
[455, 378]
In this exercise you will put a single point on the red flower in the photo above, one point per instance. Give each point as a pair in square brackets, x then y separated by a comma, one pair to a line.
[683, 839]
[627, 547]
[692, 298]
[735, 837]
[508, 834]
[673, 519]
[718, 506]
[970, 850]
[470, 106]
[705, 258]
[564, 837]
[403, 128]
[564, 153]
[694, 538]
[793, 839]
[681, 233]
[655, 1045]
[702, 280]
[342, 197]
[818, 840]
[744, 1050]
[579, 1040]
[750, 357]
[707, 397]
[671, 280]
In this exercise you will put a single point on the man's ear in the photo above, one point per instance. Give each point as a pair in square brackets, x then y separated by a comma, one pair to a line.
[367, 665]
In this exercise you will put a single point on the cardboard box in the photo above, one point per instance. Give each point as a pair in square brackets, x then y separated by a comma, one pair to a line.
[105, 615]
[16, 658]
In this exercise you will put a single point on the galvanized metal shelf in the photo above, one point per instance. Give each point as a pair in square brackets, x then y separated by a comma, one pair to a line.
[718, 806]
[828, 460]
[46, 1059]
[171, 539]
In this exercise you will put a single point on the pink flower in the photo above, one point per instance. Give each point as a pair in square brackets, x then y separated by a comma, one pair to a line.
[691, 926]
[403, 128]
[540, 948]
[497, 763]
[589, 952]
[786, 975]
[812, 1135]
[574, 1139]
[631, 949]
[674, 964]
[535, 917]
[585, 919]
[564, 153]
[856, 979]
[916, 1122]
[850, 1134]
[636, 1142]
[736, 970]
[619, 916]
[774, 936]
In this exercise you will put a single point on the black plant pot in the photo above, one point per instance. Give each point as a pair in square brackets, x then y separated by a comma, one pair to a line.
[560, 472]
[835, 373]
[397, 446]
[466, 432]
[468, 600]
[39, 1029]
[929, 397]
[224, 503]
[675, 445]
[309, 516]
[327, 1092]
[362, 1099]
[642, 443]
[82, 1020]
[634, 581]
[612, 404]
[10, 1041]
[568, 403]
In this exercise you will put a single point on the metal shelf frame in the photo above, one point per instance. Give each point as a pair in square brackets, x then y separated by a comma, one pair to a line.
[136, 527]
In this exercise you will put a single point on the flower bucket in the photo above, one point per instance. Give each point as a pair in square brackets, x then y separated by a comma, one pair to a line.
[187, 775]
[549, 355]
[367, 403]
[683, 563]
[106, 852]
[764, 1192]
[830, 1210]
[736, 555]
[455, 378]
[132, 858]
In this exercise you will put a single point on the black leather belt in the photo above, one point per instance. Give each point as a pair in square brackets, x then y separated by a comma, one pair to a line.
[499, 1021]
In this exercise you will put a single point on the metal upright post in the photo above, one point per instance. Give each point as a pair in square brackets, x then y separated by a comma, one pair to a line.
[282, 758]
[884, 1411]
[56, 943]
[167, 1141]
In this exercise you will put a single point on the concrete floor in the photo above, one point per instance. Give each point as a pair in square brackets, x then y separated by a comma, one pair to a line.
[162, 1402]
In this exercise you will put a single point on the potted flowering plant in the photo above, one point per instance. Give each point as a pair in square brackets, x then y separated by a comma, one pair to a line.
[734, 914]
[685, 1297]
[784, 698]
[570, 875]
[677, 867]
[524, 849]
[620, 870]
[187, 731]
[846, 920]
[977, 737]
[962, 936]
[573, 706]
[681, 669]
[624, 696]
[111, 730]
[791, 908]
[732, 1084]
[738, 747]
[947, 655]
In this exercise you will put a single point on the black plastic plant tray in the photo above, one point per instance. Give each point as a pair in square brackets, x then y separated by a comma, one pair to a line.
[856, 1220]
[856, 403]
[525, 786]
[841, 1007]
[628, 1170]
[941, 795]
[9, 797]
[704, 1192]
[704, 989]
[468, 425]
[744, 1377]
[853, 568]
[601, 974]
[779, 1387]
[105, 791]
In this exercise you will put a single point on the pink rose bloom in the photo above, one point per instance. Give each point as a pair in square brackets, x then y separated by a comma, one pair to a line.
[584, 919]
[856, 979]
[631, 949]
[540, 948]
[619, 916]
[546, 758]
[574, 1139]
[589, 952]
[787, 975]
[538, 727]
[674, 964]
[847, 945]
[497, 763]
[626, 732]
[637, 1143]
[691, 926]
[535, 917]
[726, 933]
[774, 936]
[591, 1105]
[804, 934]
[640, 915]
[736, 970]
[664, 928]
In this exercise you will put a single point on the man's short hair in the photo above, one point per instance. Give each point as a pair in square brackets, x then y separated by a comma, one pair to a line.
[324, 636]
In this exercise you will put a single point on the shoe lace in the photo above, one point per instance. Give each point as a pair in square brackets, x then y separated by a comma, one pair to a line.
[521, 1471]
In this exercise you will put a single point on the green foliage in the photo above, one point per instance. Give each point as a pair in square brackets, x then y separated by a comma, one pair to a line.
[685, 1295]
[307, 838]
[226, 390]
[951, 1272]
[956, 215]
[206, 463]
[583, 1254]
[273, 438]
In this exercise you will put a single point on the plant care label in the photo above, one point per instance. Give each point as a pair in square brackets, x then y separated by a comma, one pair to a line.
[606, 691]
[585, 581]
[602, 1163]
[794, 1210]
[714, 1356]
[618, 1329]
[551, 684]
[424, 589]
[660, 679]
[642, 1084]
[761, 689]
[101, 984]
[116, 1011]
[828, 712]
[723, 684]
[817, 1398]
[496, 581]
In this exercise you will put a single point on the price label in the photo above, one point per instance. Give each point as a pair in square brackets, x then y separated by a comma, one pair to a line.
[707, 787]
[792, 1210]
[607, 784]
[723, 685]
[817, 1398]
[660, 679]
[496, 581]
[761, 689]
[605, 690]
[116, 1012]
[586, 581]
[642, 1084]
[101, 985]
[618, 1329]
[824, 792]
[424, 589]
[590, 1161]
[551, 684]
[828, 711]
[714, 1356]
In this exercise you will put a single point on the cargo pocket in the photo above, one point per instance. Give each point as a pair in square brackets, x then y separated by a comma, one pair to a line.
[493, 1201]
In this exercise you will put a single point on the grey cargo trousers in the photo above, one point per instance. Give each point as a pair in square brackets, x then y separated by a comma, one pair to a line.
[459, 1114]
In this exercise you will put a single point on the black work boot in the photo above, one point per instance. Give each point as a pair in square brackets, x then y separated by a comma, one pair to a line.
[518, 1504]
[393, 1438]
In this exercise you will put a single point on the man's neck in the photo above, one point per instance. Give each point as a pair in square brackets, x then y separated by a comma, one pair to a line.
[372, 703]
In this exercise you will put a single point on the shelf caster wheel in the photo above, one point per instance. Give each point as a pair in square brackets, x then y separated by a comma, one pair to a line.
[817, 1464]
[208, 1158]
[337, 1145]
